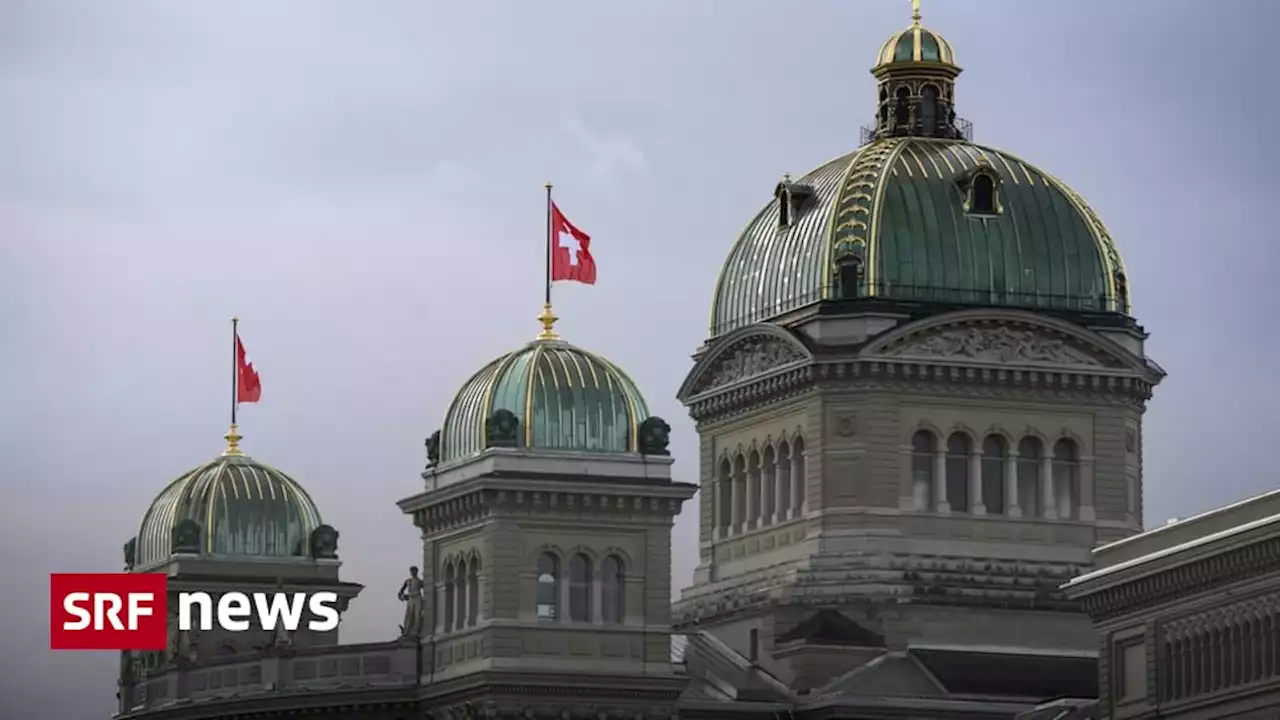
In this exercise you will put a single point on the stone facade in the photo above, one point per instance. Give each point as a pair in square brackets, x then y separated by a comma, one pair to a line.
[1188, 616]
[873, 466]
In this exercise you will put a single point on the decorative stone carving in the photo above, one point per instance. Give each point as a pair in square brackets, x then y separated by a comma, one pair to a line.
[501, 428]
[186, 537]
[433, 449]
[995, 344]
[754, 356]
[655, 435]
[845, 426]
[130, 552]
[324, 542]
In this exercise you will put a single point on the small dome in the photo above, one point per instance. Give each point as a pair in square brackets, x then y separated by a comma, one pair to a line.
[913, 45]
[233, 506]
[558, 396]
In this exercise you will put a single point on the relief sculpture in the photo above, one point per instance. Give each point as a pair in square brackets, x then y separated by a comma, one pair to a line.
[750, 358]
[1000, 344]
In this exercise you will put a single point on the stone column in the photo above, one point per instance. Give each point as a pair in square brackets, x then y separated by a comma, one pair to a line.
[1085, 471]
[940, 502]
[975, 484]
[1048, 496]
[718, 521]
[1012, 505]
[753, 496]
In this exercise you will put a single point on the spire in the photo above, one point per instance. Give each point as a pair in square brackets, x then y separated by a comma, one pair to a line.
[548, 320]
[915, 13]
[233, 438]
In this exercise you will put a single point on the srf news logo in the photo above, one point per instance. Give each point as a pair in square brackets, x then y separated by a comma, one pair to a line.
[129, 611]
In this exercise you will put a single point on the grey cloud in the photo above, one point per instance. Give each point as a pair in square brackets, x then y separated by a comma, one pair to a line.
[362, 183]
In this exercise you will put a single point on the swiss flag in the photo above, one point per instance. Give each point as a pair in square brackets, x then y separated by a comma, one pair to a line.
[570, 251]
[248, 384]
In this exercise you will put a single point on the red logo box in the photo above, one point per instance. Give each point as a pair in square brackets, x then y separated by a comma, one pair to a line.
[108, 611]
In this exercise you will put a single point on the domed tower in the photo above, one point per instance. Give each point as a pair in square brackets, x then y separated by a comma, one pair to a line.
[920, 402]
[232, 524]
[546, 526]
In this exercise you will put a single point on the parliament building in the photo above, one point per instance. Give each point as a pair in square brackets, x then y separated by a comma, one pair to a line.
[919, 407]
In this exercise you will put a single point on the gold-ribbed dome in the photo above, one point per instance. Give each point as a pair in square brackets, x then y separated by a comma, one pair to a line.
[915, 44]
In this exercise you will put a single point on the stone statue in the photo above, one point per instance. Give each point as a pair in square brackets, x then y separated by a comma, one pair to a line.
[130, 552]
[324, 542]
[186, 537]
[655, 435]
[411, 595]
[281, 637]
[501, 427]
[433, 449]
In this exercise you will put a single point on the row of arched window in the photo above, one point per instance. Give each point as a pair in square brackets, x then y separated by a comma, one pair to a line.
[759, 488]
[590, 594]
[928, 112]
[461, 593]
[1219, 658]
[995, 478]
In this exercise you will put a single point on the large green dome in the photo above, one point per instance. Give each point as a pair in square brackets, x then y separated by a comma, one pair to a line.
[232, 506]
[899, 214]
[560, 396]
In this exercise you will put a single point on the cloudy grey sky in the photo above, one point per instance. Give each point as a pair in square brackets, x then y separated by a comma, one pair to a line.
[362, 184]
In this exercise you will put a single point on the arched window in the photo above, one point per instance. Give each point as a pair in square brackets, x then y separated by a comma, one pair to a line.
[994, 450]
[473, 592]
[613, 590]
[958, 451]
[460, 597]
[739, 493]
[929, 110]
[797, 473]
[580, 588]
[1030, 454]
[784, 479]
[769, 479]
[901, 113]
[1066, 477]
[227, 649]
[753, 489]
[449, 590]
[724, 497]
[548, 587]
[982, 194]
[924, 451]
[784, 208]
[884, 106]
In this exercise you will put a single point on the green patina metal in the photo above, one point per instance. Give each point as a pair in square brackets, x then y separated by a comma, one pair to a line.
[243, 508]
[564, 397]
[901, 206]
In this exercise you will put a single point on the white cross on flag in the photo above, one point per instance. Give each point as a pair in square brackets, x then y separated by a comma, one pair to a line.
[570, 251]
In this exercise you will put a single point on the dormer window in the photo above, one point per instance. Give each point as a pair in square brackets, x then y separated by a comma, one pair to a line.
[791, 199]
[982, 193]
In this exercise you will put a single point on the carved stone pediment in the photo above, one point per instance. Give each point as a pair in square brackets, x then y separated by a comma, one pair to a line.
[993, 343]
[1004, 344]
[754, 353]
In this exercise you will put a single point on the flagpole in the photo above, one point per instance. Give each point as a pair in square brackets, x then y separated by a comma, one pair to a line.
[548, 318]
[547, 299]
[232, 436]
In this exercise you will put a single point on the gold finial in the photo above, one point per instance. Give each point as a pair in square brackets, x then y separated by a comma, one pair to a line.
[548, 320]
[915, 13]
[233, 442]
